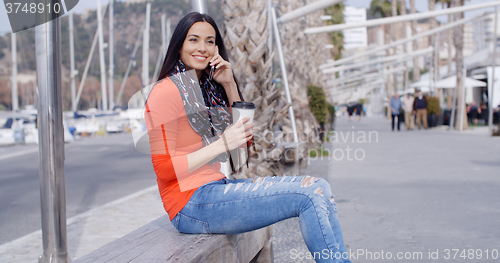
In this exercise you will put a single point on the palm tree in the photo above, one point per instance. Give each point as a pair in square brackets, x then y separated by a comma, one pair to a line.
[458, 39]
[383, 8]
[449, 41]
[394, 12]
[246, 31]
[416, 68]
[402, 10]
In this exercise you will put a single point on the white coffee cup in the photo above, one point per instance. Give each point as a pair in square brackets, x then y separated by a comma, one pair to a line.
[242, 109]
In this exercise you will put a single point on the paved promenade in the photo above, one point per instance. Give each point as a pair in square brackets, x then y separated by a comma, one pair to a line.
[410, 194]
[415, 193]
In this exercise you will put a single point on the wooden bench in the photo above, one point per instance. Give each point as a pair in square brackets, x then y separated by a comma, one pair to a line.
[159, 241]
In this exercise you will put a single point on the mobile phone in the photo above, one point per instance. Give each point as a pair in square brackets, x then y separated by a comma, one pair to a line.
[210, 76]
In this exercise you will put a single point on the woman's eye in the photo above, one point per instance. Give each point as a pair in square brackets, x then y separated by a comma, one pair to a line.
[211, 42]
[193, 39]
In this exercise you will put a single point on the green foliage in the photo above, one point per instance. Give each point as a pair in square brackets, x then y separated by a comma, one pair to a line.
[317, 102]
[363, 101]
[381, 8]
[433, 105]
[319, 152]
[331, 109]
[337, 13]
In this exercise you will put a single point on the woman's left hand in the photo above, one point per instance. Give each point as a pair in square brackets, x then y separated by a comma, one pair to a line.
[222, 73]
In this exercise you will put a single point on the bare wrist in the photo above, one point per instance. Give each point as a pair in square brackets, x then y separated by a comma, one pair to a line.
[221, 145]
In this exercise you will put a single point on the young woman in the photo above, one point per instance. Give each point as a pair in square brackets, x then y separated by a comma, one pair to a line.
[188, 141]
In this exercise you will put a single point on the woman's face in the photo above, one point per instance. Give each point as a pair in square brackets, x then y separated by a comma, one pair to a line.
[199, 46]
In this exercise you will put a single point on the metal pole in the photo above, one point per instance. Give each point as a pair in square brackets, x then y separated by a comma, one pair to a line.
[462, 101]
[284, 75]
[145, 47]
[365, 63]
[344, 78]
[51, 143]
[307, 9]
[402, 41]
[111, 55]
[199, 6]
[72, 61]
[15, 99]
[493, 66]
[398, 19]
[104, 90]
[366, 78]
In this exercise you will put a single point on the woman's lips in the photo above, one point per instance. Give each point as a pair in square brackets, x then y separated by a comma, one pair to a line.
[200, 58]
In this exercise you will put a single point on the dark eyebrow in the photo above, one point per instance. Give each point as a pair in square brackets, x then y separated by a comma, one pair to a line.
[194, 35]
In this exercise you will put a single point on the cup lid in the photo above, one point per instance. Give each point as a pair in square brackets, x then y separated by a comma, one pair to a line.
[243, 105]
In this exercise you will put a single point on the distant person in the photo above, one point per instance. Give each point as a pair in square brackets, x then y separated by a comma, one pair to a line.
[359, 110]
[420, 108]
[395, 109]
[472, 112]
[407, 103]
[350, 110]
[483, 112]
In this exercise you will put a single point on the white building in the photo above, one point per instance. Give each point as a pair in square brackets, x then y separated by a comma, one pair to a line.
[355, 37]
[483, 32]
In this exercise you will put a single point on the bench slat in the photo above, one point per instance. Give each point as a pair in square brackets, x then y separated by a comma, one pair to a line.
[159, 241]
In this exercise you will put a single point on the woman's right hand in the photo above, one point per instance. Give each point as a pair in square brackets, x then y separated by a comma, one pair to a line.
[238, 133]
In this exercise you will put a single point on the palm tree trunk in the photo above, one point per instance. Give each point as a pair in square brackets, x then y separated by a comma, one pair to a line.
[394, 5]
[432, 41]
[416, 68]
[459, 62]
[405, 50]
[450, 46]
[246, 34]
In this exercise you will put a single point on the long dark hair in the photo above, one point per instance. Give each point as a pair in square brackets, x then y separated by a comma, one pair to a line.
[178, 38]
[175, 46]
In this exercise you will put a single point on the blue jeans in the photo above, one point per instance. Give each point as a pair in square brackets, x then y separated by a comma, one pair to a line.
[242, 205]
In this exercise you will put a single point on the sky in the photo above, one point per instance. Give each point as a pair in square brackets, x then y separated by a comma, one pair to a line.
[420, 5]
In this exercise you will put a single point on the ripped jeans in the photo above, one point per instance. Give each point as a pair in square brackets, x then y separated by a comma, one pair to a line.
[242, 205]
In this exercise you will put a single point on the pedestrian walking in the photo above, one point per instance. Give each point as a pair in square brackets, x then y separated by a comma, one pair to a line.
[407, 103]
[359, 110]
[420, 108]
[350, 109]
[186, 152]
[395, 110]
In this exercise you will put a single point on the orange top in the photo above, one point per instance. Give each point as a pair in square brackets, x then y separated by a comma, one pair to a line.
[171, 138]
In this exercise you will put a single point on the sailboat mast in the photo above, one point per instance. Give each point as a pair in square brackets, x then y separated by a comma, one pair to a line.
[104, 91]
[15, 102]
[72, 61]
[145, 47]
[111, 55]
